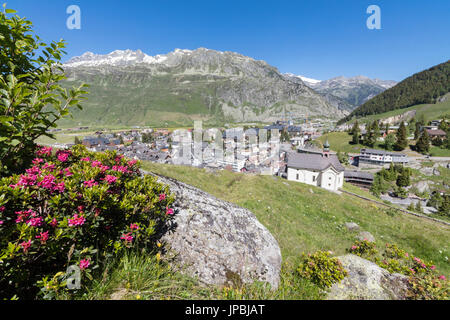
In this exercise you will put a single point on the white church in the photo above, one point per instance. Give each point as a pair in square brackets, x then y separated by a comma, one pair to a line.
[318, 169]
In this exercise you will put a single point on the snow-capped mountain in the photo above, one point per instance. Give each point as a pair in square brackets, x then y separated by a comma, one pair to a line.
[132, 87]
[354, 90]
[120, 58]
[307, 81]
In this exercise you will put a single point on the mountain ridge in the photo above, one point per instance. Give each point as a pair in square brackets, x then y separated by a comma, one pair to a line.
[187, 84]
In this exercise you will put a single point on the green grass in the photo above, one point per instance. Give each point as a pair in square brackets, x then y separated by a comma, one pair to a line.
[305, 221]
[438, 152]
[340, 141]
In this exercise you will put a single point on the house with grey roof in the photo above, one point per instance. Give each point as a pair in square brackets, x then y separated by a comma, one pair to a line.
[318, 169]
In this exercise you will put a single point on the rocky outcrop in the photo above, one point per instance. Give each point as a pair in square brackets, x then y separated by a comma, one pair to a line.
[367, 281]
[219, 242]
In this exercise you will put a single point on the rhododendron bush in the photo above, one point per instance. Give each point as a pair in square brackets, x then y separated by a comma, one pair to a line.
[74, 207]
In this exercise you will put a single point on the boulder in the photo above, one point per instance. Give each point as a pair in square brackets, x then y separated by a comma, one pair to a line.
[367, 281]
[219, 242]
[422, 186]
[428, 171]
[351, 226]
[364, 235]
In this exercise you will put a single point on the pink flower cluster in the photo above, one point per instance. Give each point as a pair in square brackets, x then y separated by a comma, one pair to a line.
[127, 237]
[43, 236]
[131, 163]
[63, 155]
[134, 226]
[49, 182]
[35, 222]
[169, 211]
[120, 169]
[84, 264]
[22, 215]
[110, 179]
[44, 151]
[162, 197]
[25, 245]
[77, 220]
[90, 183]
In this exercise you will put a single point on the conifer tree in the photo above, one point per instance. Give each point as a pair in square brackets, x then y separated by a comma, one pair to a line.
[402, 141]
[423, 143]
[355, 132]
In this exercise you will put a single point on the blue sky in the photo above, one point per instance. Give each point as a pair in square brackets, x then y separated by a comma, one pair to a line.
[317, 38]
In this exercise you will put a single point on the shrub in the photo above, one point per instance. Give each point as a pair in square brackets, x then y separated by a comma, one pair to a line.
[74, 207]
[363, 248]
[321, 269]
[31, 100]
[424, 281]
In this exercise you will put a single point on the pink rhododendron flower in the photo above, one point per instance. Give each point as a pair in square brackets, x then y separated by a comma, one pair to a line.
[120, 169]
[407, 255]
[110, 179]
[1, 222]
[84, 264]
[77, 220]
[63, 155]
[96, 163]
[44, 151]
[127, 237]
[80, 209]
[134, 226]
[2, 208]
[25, 245]
[27, 180]
[433, 267]
[35, 222]
[354, 247]
[131, 163]
[169, 211]
[90, 183]
[48, 182]
[442, 277]
[43, 236]
[22, 215]
[162, 196]
[33, 170]
[118, 158]
[85, 159]
[37, 160]
[103, 168]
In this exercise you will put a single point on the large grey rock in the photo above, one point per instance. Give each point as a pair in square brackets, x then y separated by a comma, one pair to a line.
[365, 235]
[367, 281]
[422, 186]
[218, 241]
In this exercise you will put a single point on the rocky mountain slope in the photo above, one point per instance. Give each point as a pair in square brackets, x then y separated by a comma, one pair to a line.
[348, 93]
[130, 87]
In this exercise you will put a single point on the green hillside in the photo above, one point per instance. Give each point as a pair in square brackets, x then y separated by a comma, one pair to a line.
[304, 218]
[428, 111]
[421, 88]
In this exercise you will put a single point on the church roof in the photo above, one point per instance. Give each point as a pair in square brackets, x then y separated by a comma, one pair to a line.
[311, 161]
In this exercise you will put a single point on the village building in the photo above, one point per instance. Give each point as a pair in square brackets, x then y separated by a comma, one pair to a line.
[318, 169]
[381, 157]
